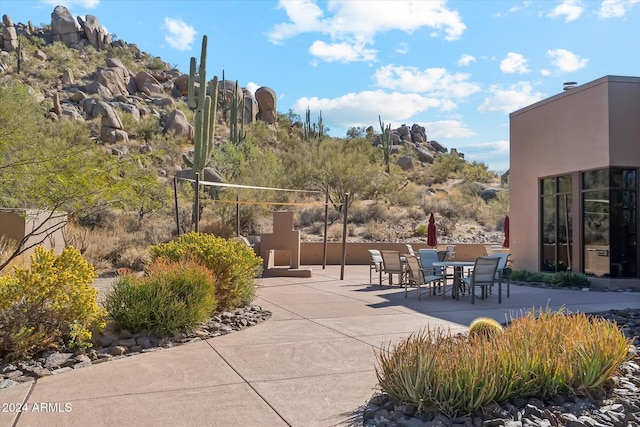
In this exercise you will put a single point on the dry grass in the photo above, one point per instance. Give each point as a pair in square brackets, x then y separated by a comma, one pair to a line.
[122, 242]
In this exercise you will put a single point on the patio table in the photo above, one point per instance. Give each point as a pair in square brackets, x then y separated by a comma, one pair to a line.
[458, 268]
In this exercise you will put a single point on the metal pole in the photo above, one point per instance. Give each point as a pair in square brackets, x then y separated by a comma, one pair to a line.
[237, 215]
[197, 203]
[326, 226]
[344, 235]
[175, 198]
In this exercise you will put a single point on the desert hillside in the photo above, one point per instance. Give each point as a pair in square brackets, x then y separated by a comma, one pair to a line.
[98, 129]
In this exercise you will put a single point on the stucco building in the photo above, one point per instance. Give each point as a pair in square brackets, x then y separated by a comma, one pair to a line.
[575, 159]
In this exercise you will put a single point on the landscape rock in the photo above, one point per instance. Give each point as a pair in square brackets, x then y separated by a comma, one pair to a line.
[96, 34]
[109, 117]
[178, 123]
[266, 98]
[148, 85]
[67, 77]
[405, 163]
[9, 35]
[113, 78]
[424, 155]
[64, 27]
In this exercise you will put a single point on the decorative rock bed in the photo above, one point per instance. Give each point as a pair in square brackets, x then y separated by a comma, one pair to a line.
[618, 405]
[111, 345]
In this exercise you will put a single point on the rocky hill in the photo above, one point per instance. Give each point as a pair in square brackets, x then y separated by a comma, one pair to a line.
[125, 95]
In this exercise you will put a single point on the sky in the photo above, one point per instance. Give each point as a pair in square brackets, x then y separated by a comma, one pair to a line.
[458, 68]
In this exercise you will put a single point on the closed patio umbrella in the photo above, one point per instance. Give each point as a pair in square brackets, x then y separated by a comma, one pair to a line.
[432, 238]
[505, 227]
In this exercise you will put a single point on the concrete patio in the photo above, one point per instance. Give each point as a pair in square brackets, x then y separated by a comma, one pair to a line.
[311, 364]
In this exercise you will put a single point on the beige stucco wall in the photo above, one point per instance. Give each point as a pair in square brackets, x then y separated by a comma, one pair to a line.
[16, 223]
[357, 253]
[592, 126]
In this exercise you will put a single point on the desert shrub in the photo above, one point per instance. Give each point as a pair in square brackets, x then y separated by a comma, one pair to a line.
[362, 214]
[445, 166]
[529, 276]
[440, 204]
[421, 230]
[233, 264]
[50, 305]
[570, 279]
[312, 215]
[538, 355]
[404, 197]
[172, 297]
[477, 172]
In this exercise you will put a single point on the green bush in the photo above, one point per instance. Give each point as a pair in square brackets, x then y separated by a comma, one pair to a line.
[421, 230]
[445, 166]
[538, 355]
[50, 305]
[477, 172]
[528, 276]
[561, 279]
[570, 279]
[233, 264]
[172, 297]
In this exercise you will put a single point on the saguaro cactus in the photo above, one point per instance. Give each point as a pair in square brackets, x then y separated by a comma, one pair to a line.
[237, 106]
[386, 144]
[205, 113]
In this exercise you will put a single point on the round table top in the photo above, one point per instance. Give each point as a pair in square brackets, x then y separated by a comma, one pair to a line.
[454, 263]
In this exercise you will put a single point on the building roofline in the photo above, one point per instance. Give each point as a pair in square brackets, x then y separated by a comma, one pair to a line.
[580, 88]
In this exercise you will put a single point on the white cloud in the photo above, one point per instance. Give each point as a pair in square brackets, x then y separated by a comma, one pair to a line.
[341, 52]
[179, 35]
[514, 9]
[545, 72]
[402, 48]
[362, 109]
[494, 153]
[523, 5]
[88, 4]
[357, 23]
[514, 63]
[570, 9]
[252, 87]
[447, 129]
[436, 82]
[566, 61]
[305, 16]
[465, 60]
[511, 98]
[615, 8]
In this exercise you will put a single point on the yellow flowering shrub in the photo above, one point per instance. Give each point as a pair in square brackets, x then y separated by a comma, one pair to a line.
[49, 305]
[234, 265]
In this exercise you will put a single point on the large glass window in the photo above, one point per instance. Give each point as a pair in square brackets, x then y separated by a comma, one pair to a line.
[556, 223]
[609, 200]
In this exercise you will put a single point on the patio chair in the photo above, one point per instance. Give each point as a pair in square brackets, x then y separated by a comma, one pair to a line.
[451, 252]
[502, 271]
[392, 264]
[483, 276]
[427, 257]
[410, 249]
[416, 276]
[375, 263]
